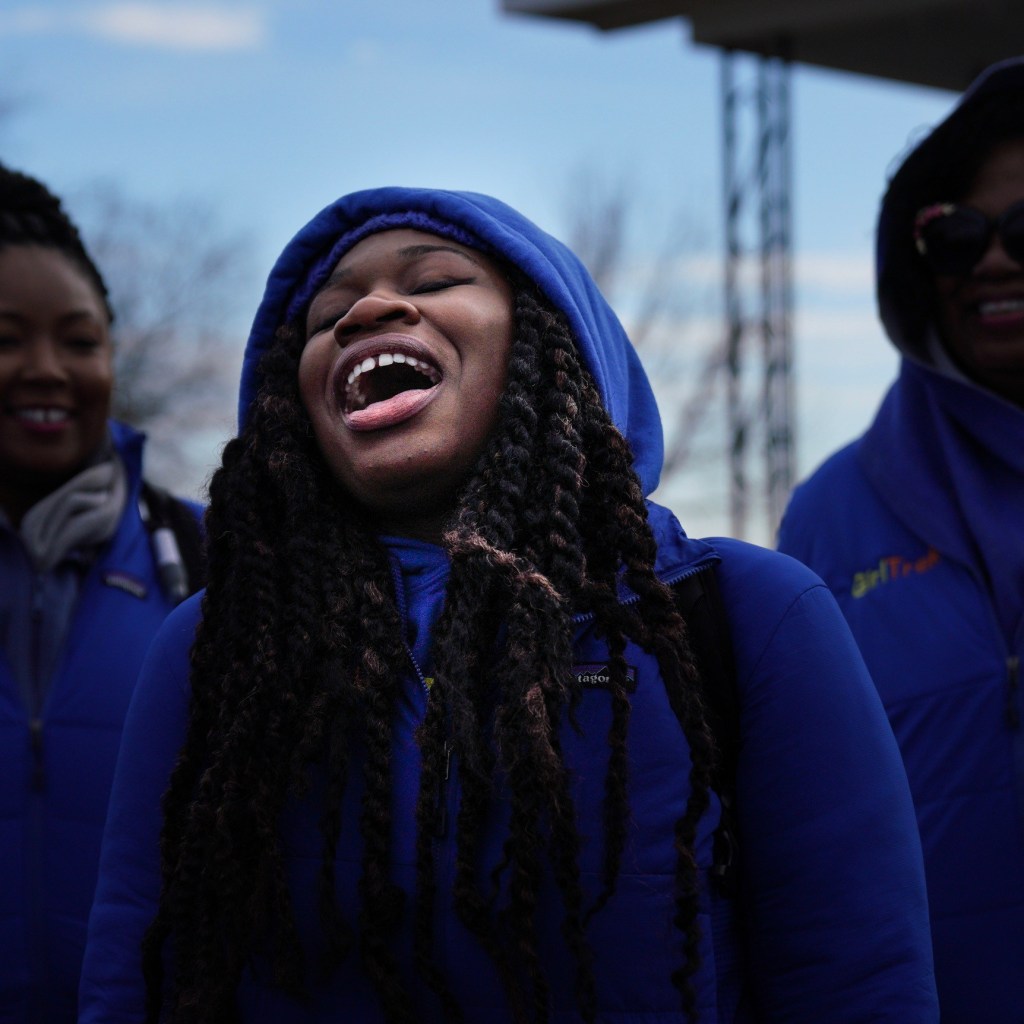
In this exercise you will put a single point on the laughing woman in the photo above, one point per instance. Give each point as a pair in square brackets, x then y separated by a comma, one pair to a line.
[432, 747]
[80, 595]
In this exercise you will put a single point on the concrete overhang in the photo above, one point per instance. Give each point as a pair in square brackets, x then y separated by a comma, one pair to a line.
[940, 43]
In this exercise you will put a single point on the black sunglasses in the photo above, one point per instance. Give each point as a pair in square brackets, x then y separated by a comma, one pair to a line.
[953, 238]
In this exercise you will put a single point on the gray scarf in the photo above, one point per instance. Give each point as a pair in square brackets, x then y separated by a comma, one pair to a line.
[83, 512]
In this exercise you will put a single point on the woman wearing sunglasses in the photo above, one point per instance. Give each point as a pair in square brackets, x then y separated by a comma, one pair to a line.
[917, 528]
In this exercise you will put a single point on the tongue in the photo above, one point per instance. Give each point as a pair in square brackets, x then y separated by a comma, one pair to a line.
[391, 411]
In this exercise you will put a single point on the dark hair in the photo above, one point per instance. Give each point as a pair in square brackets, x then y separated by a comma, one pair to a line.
[30, 214]
[298, 660]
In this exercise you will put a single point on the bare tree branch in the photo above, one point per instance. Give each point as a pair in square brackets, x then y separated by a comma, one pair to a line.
[647, 282]
[180, 287]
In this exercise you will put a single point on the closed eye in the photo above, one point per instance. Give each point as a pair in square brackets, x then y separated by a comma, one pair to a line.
[327, 324]
[441, 284]
[82, 344]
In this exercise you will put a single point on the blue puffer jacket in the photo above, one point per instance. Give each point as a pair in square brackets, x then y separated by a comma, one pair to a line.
[56, 773]
[831, 923]
[916, 528]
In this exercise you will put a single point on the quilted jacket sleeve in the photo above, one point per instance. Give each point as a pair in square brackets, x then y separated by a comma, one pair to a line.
[833, 884]
[112, 990]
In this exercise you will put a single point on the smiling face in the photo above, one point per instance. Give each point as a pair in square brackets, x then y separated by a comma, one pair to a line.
[56, 373]
[981, 314]
[405, 361]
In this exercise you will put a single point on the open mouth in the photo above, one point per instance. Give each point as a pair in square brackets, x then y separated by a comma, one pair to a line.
[41, 415]
[384, 376]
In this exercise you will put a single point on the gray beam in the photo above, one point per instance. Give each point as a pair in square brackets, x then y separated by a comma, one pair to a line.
[940, 43]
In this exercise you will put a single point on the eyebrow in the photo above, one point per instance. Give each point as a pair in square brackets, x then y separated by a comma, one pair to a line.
[408, 252]
[65, 318]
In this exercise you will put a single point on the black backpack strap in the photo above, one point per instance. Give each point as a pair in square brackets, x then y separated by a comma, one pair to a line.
[177, 540]
[699, 601]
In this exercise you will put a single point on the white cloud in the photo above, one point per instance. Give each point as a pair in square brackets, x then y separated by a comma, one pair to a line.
[188, 26]
[840, 274]
[180, 27]
[832, 334]
[844, 272]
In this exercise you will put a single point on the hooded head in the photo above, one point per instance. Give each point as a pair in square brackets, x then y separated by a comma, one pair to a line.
[498, 231]
[939, 170]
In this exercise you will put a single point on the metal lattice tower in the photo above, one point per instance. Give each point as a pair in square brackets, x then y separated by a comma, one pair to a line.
[939, 43]
[757, 163]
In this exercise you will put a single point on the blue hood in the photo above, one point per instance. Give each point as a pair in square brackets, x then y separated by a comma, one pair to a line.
[501, 231]
[939, 169]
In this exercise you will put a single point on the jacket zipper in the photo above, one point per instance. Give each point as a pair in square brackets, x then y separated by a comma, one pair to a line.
[670, 580]
[441, 819]
[1011, 712]
[37, 784]
[36, 709]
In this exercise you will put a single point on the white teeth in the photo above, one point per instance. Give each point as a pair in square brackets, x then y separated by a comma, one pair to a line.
[42, 415]
[1001, 306]
[354, 396]
[386, 359]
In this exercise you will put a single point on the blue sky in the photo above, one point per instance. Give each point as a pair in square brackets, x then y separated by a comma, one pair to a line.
[268, 109]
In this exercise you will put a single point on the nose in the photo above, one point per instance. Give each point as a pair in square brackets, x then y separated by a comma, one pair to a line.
[42, 363]
[373, 310]
[996, 260]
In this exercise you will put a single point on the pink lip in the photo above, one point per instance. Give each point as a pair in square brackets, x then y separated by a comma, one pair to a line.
[391, 411]
[46, 428]
[981, 303]
[1002, 320]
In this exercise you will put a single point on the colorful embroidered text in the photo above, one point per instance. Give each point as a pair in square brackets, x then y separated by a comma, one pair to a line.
[894, 567]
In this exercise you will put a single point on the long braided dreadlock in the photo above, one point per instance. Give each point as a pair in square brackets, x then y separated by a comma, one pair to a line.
[297, 663]
[30, 214]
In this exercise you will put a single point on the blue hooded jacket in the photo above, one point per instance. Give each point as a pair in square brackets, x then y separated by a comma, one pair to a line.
[915, 527]
[831, 922]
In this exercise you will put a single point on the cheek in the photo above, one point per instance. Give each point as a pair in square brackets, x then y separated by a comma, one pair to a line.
[494, 370]
[98, 389]
[311, 376]
[304, 386]
[484, 402]
[945, 302]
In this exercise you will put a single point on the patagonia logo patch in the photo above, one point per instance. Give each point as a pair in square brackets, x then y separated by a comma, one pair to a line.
[596, 676]
[890, 569]
[130, 584]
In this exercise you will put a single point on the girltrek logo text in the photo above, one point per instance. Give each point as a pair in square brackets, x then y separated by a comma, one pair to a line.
[892, 568]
